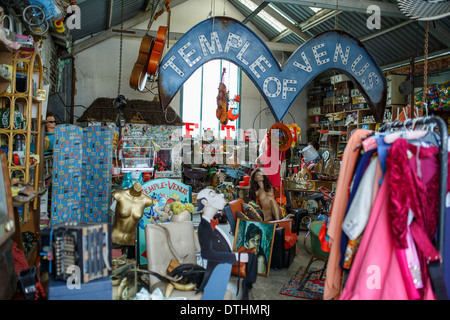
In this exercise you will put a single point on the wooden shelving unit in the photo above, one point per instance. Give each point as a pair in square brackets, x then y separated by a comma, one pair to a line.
[21, 134]
[362, 121]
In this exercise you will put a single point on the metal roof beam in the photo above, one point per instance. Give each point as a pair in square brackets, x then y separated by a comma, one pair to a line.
[255, 12]
[385, 30]
[285, 21]
[315, 20]
[438, 30]
[110, 13]
[387, 9]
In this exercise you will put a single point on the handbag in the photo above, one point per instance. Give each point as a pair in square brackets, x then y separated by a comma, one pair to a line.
[238, 269]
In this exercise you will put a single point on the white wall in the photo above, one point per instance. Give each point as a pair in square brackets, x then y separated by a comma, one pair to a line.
[97, 68]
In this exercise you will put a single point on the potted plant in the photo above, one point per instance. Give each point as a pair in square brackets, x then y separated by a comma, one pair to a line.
[181, 211]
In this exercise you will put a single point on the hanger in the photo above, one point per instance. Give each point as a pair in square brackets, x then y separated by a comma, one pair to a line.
[409, 135]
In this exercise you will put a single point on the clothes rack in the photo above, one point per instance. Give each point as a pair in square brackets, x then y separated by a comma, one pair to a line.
[432, 121]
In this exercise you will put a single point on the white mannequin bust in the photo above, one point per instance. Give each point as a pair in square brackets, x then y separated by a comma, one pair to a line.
[211, 202]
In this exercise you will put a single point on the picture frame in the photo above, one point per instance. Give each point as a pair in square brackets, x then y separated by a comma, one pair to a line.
[7, 226]
[160, 190]
[164, 161]
[246, 228]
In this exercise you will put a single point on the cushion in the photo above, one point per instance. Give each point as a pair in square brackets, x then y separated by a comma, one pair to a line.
[252, 213]
[240, 215]
[289, 240]
[254, 204]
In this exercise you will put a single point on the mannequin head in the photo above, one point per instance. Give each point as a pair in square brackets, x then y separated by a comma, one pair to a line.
[210, 202]
[258, 178]
[51, 123]
[137, 187]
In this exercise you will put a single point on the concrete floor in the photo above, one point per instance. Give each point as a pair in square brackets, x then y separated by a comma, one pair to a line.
[268, 288]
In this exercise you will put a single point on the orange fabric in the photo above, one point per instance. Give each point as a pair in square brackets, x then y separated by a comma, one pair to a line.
[283, 223]
[236, 205]
[280, 198]
[334, 272]
[290, 238]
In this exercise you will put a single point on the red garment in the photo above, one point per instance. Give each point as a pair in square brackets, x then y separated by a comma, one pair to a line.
[414, 185]
[272, 163]
[20, 262]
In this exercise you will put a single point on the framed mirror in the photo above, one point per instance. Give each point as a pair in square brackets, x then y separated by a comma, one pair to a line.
[164, 161]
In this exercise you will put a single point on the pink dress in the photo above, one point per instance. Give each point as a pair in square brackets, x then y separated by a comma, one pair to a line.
[375, 273]
[380, 269]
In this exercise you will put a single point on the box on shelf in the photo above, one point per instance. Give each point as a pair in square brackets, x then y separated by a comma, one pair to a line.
[328, 101]
[339, 78]
[343, 107]
[315, 98]
[358, 100]
[342, 100]
[328, 88]
[343, 85]
[329, 108]
[342, 92]
[355, 93]
[314, 111]
[314, 103]
[316, 91]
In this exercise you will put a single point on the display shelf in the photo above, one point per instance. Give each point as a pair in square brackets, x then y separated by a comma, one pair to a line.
[21, 134]
[5, 58]
[316, 122]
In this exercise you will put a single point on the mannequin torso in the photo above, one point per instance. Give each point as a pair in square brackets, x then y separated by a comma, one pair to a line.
[266, 198]
[129, 210]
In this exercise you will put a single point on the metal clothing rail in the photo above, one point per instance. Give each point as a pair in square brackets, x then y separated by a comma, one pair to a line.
[443, 158]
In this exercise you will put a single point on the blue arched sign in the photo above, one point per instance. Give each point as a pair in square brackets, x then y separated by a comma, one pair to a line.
[227, 38]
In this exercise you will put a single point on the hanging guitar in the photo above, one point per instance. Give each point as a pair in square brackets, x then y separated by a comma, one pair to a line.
[158, 47]
[140, 72]
[222, 102]
[138, 77]
[161, 36]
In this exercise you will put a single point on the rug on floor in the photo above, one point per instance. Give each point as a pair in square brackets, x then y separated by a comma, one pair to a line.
[312, 287]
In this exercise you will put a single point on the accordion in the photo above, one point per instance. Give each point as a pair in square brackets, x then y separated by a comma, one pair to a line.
[83, 248]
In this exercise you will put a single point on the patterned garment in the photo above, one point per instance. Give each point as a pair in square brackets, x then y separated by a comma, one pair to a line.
[350, 252]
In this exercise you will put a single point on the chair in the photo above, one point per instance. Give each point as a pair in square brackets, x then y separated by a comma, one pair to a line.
[185, 246]
[285, 238]
[317, 252]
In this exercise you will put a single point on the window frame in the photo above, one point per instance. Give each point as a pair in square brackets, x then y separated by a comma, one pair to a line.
[237, 122]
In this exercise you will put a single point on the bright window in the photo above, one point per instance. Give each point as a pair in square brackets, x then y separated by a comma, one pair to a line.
[199, 95]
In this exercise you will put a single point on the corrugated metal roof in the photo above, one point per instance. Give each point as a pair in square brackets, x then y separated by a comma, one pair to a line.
[95, 15]
[394, 46]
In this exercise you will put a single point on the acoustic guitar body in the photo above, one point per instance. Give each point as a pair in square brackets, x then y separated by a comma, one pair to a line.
[158, 48]
[138, 77]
